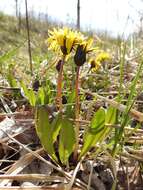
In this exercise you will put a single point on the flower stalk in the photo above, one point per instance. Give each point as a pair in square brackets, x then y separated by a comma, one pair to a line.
[77, 112]
[59, 86]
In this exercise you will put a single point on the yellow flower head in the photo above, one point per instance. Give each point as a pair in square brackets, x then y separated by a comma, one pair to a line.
[100, 59]
[88, 45]
[94, 65]
[65, 39]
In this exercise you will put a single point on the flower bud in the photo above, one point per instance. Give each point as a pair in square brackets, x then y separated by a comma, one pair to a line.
[58, 66]
[80, 56]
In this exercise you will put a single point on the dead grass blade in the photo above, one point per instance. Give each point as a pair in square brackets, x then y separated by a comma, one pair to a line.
[134, 113]
[69, 186]
[36, 188]
[18, 166]
[32, 177]
[57, 168]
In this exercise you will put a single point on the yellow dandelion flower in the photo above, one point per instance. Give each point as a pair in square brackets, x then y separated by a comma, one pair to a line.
[102, 57]
[64, 39]
[88, 45]
[99, 60]
[94, 65]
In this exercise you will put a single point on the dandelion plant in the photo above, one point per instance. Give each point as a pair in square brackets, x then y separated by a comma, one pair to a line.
[63, 40]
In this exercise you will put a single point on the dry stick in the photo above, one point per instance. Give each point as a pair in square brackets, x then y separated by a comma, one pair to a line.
[32, 187]
[90, 175]
[91, 172]
[28, 37]
[136, 138]
[137, 142]
[73, 176]
[78, 14]
[135, 173]
[59, 169]
[77, 110]
[127, 177]
[136, 114]
[134, 157]
[24, 113]
[9, 88]
[4, 170]
[16, 8]
[133, 151]
[32, 177]
[7, 161]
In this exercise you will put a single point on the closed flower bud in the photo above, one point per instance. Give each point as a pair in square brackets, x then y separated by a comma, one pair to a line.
[36, 85]
[58, 66]
[80, 56]
[64, 100]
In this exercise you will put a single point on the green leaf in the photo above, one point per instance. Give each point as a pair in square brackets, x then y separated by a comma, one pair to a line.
[32, 97]
[41, 96]
[25, 89]
[56, 126]
[9, 54]
[30, 94]
[11, 80]
[71, 100]
[95, 131]
[125, 116]
[111, 115]
[67, 140]
[47, 95]
[45, 130]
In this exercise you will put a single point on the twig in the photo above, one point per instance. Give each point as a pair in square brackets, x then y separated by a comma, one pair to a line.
[90, 175]
[14, 114]
[9, 88]
[134, 157]
[128, 181]
[35, 188]
[28, 37]
[78, 14]
[73, 176]
[32, 177]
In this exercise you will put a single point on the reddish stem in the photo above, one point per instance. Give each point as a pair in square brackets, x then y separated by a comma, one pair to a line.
[59, 86]
[77, 112]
